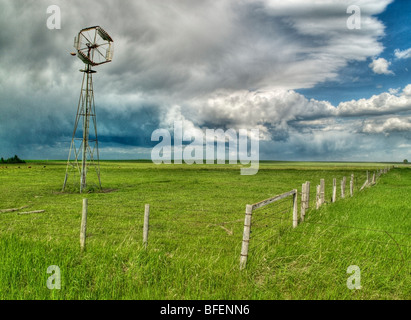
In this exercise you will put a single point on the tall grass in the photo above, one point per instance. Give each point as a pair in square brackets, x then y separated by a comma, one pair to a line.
[196, 226]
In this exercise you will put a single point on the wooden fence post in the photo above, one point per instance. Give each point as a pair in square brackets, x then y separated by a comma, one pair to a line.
[343, 182]
[317, 198]
[246, 236]
[83, 228]
[146, 225]
[352, 185]
[368, 176]
[366, 183]
[322, 191]
[295, 209]
[334, 197]
[303, 200]
[373, 178]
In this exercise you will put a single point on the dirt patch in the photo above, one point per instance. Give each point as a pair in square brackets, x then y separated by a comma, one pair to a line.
[107, 191]
[94, 191]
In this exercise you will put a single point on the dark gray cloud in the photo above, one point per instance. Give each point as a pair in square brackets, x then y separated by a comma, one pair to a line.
[217, 64]
[128, 128]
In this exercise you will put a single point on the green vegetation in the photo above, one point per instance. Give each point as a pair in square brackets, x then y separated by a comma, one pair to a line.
[196, 225]
[15, 159]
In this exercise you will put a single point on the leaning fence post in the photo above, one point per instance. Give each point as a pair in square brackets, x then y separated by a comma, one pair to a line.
[364, 185]
[373, 178]
[334, 197]
[83, 228]
[146, 224]
[295, 209]
[246, 236]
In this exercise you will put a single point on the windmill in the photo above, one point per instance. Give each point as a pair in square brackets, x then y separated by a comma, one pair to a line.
[94, 47]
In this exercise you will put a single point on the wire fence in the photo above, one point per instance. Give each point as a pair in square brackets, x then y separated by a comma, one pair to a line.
[171, 226]
[332, 233]
[271, 227]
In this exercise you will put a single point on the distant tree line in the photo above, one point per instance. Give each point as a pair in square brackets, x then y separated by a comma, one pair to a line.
[15, 159]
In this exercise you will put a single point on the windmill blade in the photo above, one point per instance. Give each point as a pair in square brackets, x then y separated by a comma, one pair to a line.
[104, 57]
[88, 42]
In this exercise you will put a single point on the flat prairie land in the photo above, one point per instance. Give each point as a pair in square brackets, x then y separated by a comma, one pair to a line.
[196, 229]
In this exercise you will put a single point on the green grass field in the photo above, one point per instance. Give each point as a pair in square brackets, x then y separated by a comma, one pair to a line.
[196, 226]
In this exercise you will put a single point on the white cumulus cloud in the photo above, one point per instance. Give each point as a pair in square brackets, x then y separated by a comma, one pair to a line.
[381, 66]
[404, 54]
[388, 126]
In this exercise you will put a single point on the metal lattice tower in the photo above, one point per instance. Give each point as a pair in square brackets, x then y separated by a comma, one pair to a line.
[93, 48]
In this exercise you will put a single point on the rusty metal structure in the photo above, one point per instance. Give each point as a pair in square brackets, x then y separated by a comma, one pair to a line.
[94, 47]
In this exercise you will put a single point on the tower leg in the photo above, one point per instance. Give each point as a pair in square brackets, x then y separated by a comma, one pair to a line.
[65, 181]
[85, 110]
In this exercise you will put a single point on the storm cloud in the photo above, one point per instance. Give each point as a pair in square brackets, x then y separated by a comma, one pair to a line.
[214, 64]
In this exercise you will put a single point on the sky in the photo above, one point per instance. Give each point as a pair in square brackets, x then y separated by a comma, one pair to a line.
[316, 89]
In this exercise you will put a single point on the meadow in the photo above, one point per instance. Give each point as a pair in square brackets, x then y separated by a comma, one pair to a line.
[196, 227]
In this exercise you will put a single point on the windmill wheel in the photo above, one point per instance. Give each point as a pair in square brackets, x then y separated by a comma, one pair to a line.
[94, 46]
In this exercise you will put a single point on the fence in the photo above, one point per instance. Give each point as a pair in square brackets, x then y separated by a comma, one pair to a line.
[380, 254]
[305, 204]
[248, 218]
